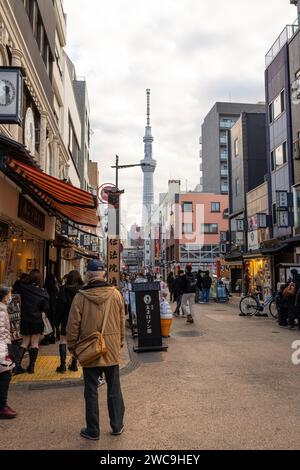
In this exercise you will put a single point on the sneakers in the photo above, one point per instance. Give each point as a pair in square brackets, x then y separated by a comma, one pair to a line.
[118, 433]
[7, 413]
[84, 433]
[101, 381]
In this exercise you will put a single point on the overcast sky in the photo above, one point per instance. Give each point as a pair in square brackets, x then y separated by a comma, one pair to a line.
[191, 53]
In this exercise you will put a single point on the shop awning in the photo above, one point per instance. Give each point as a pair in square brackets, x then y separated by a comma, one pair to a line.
[58, 197]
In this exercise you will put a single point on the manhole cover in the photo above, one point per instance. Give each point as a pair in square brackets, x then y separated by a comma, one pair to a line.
[188, 334]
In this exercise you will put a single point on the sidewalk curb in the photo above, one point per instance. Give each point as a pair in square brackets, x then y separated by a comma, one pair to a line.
[132, 365]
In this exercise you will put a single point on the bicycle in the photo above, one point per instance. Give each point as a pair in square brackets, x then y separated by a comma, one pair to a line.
[251, 305]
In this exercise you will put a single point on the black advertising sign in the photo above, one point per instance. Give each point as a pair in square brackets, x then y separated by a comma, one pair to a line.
[148, 317]
[11, 83]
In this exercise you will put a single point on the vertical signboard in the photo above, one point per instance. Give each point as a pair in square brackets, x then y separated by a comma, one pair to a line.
[148, 317]
[113, 261]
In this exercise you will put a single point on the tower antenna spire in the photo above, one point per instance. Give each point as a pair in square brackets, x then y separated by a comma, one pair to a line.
[148, 91]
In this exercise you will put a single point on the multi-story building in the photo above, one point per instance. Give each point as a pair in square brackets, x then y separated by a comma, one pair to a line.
[81, 94]
[34, 155]
[215, 143]
[190, 228]
[248, 169]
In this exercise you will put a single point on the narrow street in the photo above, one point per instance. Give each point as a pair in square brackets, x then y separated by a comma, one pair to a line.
[225, 383]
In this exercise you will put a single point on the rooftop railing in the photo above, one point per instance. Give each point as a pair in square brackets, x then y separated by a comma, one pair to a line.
[287, 33]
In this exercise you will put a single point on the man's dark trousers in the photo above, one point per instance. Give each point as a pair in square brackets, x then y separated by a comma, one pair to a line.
[115, 401]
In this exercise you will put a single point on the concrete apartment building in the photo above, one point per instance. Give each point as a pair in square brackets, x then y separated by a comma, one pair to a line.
[215, 143]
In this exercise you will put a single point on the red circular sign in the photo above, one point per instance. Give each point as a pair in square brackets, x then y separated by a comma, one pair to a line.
[103, 192]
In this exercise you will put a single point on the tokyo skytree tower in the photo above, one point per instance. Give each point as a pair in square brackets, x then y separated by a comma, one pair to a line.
[149, 166]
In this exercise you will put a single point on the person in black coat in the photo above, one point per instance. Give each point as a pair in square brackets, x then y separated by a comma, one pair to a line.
[206, 286]
[66, 295]
[294, 301]
[52, 287]
[178, 292]
[170, 282]
[34, 302]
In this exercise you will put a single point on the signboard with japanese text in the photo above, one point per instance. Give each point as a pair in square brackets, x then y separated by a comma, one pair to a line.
[148, 316]
[283, 219]
[113, 261]
[282, 199]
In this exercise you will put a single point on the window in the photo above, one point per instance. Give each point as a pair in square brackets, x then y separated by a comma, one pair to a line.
[226, 123]
[210, 228]
[224, 156]
[73, 144]
[236, 147]
[223, 138]
[223, 236]
[187, 207]
[237, 187]
[279, 156]
[187, 228]
[215, 207]
[224, 187]
[277, 107]
[274, 207]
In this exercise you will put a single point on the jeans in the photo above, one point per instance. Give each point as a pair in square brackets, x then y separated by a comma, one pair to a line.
[115, 401]
[5, 378]
[205, 295]
[188, 300]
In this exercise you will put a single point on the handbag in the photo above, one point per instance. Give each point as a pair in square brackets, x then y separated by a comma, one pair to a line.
[93, 346]
[47, 325]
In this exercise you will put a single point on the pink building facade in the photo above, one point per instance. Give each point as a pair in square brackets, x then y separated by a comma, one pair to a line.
[199, 223]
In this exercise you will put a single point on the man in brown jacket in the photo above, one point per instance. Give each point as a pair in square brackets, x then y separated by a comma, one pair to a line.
[86, 316]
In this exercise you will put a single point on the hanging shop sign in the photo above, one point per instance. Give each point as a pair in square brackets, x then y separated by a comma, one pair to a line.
[282, 199]
[30, 214]
[283, 219]
[11, 85]
[113, 261]
[68, 254]
[253, 243]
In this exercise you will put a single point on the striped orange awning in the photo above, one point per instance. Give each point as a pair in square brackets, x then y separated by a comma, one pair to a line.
[73, 203]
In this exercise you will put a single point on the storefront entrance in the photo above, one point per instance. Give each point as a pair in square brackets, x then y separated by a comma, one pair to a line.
[260, 270]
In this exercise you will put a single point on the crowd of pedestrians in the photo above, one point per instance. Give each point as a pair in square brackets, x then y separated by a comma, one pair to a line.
[82, 316]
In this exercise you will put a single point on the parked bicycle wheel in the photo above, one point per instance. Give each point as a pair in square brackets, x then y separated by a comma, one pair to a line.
[249, 305]
[273, 309]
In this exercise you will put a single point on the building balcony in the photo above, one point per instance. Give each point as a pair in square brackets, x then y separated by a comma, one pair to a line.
[224, 173]
[282, 39]
[226, 124]
[224, 156]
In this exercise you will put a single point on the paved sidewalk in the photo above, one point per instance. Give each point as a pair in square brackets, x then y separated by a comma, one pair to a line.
[226, 382]
[45, 369]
